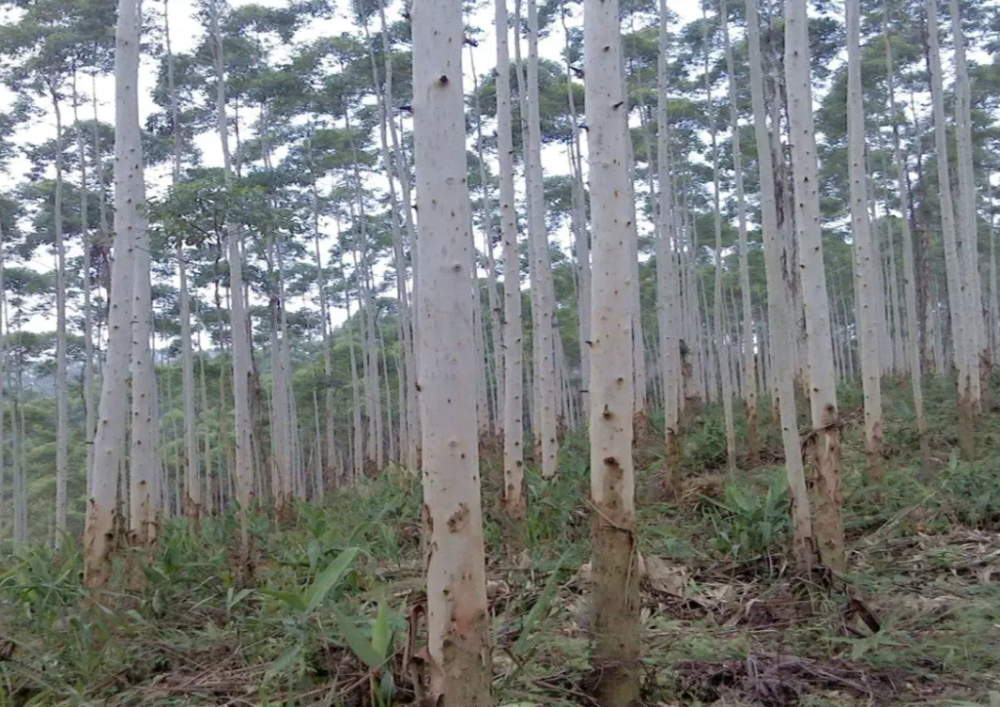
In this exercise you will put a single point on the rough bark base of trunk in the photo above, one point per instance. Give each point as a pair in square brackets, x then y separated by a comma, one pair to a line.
[615, 662]
[514, 501]
[753, 434]
[692, 401]
[192, 511]
[966, 426]
[985, 375]
[246, 564]
[462, 679]
[825, 454]
[135, 566]
[874, 461]
[640, 423]
[672, 466]
[803, 542]
[99, 544]
[283, 508]
[925, 472]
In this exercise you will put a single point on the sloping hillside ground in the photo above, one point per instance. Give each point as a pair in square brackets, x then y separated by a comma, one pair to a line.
[334, 613]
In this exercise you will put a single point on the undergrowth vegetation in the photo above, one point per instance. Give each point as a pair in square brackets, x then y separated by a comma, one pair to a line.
[333, 615]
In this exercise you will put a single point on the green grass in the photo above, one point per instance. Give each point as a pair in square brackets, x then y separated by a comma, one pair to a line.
[325, 621]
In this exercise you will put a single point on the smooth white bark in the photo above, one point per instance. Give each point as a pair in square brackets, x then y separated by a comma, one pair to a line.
[822, 384]
[458, 623]
[864, 271]
[957, 280]
[101, 531]
[779, 338]
[62, 381]
[667, 284]
[612, 483]
[967, 217]
[541, 266]
[749, 355]
[244, 471]
[513, 346]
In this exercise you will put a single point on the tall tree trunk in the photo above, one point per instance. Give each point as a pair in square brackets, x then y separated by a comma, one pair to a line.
[541, 267]
[717, 315]
[956, 279]
[909, 271]
[244, 471]
[281, 430]
[918, 218]
[384, 98]
[402, 172]
[994, 307]
[513, 347]
[458, 623]
[390, 436]
[144, 458]
[358, 431]
[978, 353]
[779, 337]
[749, 360]
[479, 337]
[374, 447]
[207, 439]
[615, 651]
[101, 527]
[822, 386]
[3, 372]
[17, 447]
[192, 506]
[898, 346]
[864, 262]
[330, 459]
[641, 418]
[666, 269]
[102, 217]
[88, 322]
[62, 382]
[496, 352]
[578, 225]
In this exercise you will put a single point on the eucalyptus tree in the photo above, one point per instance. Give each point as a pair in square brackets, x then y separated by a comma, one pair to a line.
[909, 270]
[956, 281]
[513, 347]
[866, 280]
[262, 83]
[666, 266]
[45, 44]
[749, 354]
[9, 214]
[457, 612]
[977, 353]
[721, 347]
[825, 442]
[615, 651]
[578, 221]
[780, 325]
[101, 525]
[384, 100]
[543, 306]
[242, 367]
[192, 506]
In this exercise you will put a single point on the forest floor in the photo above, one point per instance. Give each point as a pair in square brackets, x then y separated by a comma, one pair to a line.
[333, 615]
